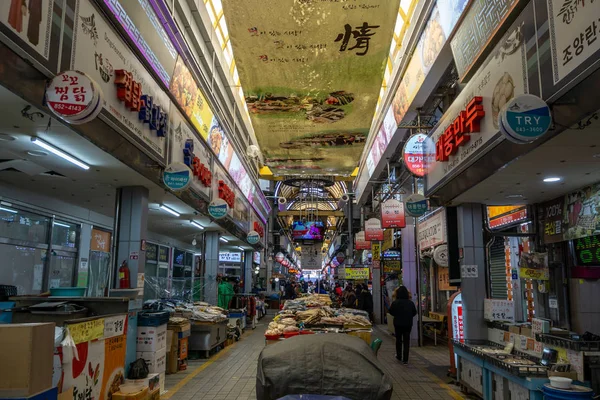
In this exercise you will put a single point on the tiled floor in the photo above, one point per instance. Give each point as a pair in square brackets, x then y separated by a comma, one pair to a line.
[231, 373]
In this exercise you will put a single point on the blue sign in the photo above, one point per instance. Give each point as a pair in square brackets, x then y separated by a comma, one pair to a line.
[525, 119]
[253, 237]
[177, 176]
[218, 208]
[416, 205]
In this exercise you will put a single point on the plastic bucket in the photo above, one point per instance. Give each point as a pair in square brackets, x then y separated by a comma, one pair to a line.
[580, 393]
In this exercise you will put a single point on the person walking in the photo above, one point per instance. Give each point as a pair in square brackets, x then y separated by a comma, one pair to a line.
[365, 301]
[403, 310]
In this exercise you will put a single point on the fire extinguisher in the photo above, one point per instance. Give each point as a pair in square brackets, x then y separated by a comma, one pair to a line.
[124, 282]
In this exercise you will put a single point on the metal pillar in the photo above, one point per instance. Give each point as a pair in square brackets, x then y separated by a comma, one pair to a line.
[211, 260]
[410, 275]
[131, 227]
[470, 239]
[248, 271]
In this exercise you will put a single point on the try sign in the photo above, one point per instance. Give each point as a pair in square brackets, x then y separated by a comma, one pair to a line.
[458, 133]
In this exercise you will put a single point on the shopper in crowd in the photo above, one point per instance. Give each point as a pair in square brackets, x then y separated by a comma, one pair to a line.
[225, 292]
[298, 289]
[358, 290]
[350, 298]
[338, 290]
[403, 310]
[365, 301]
[290, 292]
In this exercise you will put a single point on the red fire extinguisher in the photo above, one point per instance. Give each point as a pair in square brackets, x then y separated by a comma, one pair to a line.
[124, 282]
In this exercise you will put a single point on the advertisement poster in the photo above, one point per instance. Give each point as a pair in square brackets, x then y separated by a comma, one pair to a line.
[431, 231]
[388, 239]
[392, 214]
[573, 34]
[312, 72]
[181, 132]
[85, 373]
[573, 216]
[30, 21]
[373, 229]
[357, 273]
[444, 279]
[499, 80]
[114, 360]
[99, 52]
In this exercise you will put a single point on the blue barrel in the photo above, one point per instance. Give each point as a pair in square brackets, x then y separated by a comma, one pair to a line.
[578, 392]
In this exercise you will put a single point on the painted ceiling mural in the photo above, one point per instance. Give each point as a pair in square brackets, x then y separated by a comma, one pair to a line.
[311, 72]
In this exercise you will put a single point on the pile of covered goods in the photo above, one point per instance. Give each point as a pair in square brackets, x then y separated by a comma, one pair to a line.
[298, 318]
[196, 311]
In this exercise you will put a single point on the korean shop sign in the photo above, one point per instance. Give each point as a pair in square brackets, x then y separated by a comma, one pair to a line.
[499, 310]
[552, 219]
[199, 170]
[458, 133]
[177, 176]
[574, 31]
[432, 230]
[74, 97]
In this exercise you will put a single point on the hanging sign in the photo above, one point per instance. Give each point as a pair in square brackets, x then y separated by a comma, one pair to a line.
[360, 243]
[416, 205]
[279, 257]
[340, 257]
[376, 251]
[177, 176]
[74, 97]
[418, 154]
[440, 255]
[458, 332]
[524, 119]
[392, 214]
[230, 257]
[357, 273]
[253, 237]
[373, 229]
[432, 231]
[218, 208]
[538, 274]
[505, 215]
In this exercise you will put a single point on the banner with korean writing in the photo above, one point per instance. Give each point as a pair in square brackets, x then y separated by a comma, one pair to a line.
[360, 243]
[574, 30]
[373, 229]
[388, 239]
[444, 279]
[499, 310]
[100, 52]
[392, 214]
[311, 73]
[431, 230]
[376, 251]
[357, 273]
[87, 331]
[502, 77]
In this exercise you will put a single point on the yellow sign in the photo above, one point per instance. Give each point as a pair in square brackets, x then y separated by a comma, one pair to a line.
[87, 331]
[496, 211]
[388, 239]
[376, 251]
[392, 266]
[357, 273]
[535, 274]
[311, 73]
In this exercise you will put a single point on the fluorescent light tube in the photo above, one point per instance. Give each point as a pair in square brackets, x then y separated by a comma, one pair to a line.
[59, 153]
[61, 224]
[10, 210]
[224, 240]
[197, 225]
[169, 210]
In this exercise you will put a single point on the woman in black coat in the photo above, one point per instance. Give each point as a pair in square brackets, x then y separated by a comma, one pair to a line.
[403, 310]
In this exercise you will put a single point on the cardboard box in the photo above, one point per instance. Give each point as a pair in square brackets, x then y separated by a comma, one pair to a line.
[152, 381]
[49, 394]
[151, 338]
[172, 363]
[526, 331]
[169, 343]
[514, 329]
[157, 361]
[162, 378]
[182, 331]
[27, 352]
[141, 395]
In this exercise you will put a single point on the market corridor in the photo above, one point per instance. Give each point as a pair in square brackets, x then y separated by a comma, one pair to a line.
[231, 373]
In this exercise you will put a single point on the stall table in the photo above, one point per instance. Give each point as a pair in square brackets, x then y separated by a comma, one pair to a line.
[433, 323]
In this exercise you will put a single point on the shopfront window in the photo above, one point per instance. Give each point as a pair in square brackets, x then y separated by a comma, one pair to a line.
[62, 269]
[65, 234]
[23, 267]
[23, 226]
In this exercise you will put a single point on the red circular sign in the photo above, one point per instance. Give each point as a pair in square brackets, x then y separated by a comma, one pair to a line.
[279, 257]
[419, 154]
[74, 97]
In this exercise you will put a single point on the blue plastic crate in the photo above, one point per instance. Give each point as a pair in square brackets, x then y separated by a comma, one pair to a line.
[153, 318]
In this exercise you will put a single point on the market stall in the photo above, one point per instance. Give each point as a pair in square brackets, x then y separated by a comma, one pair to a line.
[312, 314]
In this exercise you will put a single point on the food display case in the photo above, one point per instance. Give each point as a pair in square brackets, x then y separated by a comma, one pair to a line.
[206, 336]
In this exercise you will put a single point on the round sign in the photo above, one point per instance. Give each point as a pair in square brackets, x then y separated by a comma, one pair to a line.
[218, 208]
[340, 257]
[524, 119]
[418, 154]
[416, 205]
[440, 255]
[253, 237]
[74, 97]
[285, 263]
[177, 176]
[279, 257]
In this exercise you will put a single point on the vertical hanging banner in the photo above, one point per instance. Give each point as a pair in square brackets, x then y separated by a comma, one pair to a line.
[373, 229]
[311, 72]
[376, 251]
[392, 214]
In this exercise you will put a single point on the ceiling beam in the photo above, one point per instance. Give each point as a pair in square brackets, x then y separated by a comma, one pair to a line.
[320, 213]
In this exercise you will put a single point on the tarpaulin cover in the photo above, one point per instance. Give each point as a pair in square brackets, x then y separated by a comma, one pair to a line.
[312, 397]
[327, 364]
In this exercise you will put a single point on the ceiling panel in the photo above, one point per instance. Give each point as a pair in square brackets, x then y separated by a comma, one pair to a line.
[311, 73]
